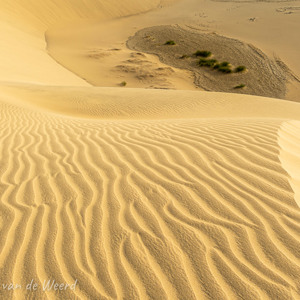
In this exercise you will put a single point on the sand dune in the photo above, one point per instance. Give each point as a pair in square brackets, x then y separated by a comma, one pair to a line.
[132, 193]
[202, 211]
[23, 27]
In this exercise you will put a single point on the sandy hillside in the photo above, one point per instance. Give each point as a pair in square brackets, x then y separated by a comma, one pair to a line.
[139, 193]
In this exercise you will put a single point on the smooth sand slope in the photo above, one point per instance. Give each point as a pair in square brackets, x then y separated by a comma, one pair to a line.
[139, 193]
[23, 26]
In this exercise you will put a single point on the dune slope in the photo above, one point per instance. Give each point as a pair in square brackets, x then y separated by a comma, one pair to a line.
[180, 208]
[23, 55]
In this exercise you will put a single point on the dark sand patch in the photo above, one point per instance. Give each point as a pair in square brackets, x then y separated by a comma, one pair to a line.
[264, 76]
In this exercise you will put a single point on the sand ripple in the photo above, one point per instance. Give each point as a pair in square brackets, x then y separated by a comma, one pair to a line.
[202, 211]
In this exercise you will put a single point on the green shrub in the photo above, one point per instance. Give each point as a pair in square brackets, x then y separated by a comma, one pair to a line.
[202, 53]
[224, 64]
[170, 42]
[123, 83]
[240, 69]
[207, 62]
[240, 86]
[225, 69]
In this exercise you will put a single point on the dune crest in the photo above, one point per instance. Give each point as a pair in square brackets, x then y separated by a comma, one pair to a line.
[138, 104]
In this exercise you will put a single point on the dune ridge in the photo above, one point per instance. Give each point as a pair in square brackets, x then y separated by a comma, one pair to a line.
[139, 104]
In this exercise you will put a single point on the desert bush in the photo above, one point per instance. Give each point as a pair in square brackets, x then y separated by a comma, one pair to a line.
[202, 53]
[123, 83]
[224, 64]
[240, 86]
[170, 42]
[240, 69]
[224, 69]
[207, 62]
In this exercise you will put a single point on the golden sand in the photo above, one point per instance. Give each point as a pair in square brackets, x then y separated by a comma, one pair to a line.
[110, 192]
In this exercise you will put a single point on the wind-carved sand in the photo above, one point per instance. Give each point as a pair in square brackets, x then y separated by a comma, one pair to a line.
[136, 193]
[180, 208]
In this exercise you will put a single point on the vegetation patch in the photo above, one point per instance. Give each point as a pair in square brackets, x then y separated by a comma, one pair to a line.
[123, 83]
[170, 42]
[225, 64]
[218, 63]
[203, 62]
[225, 69]
[202, 53]
[240, 86]
[240, 69]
